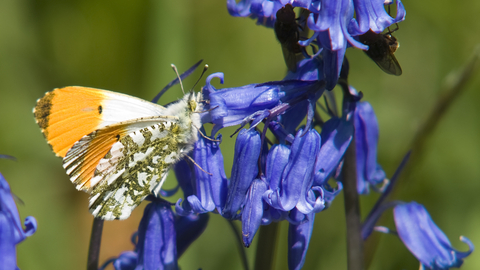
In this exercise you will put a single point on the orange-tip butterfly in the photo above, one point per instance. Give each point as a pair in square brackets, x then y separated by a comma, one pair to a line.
[116, 147]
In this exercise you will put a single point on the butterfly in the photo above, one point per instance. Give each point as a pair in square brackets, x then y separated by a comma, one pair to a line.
[116, 147]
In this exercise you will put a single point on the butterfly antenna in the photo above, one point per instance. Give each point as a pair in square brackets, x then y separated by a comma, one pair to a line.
[178, 76]
[201, 75]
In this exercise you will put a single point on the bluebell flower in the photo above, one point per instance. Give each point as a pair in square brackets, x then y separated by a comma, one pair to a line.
[297, 175]
[252, 212]
[369, 172]
[244, 171]
[156, 246]
[11, 231]
[425, 240]
[232, 106]
[207, 178]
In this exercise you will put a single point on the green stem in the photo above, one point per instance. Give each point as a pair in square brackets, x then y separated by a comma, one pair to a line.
[95, 241]
[352, 211]
[241, 249]
[266, 248]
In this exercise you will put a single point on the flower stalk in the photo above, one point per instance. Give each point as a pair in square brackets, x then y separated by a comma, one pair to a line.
[352, 211]
[266, 247]
[95, 241]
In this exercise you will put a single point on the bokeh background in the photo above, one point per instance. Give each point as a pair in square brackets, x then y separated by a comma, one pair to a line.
[128, 46]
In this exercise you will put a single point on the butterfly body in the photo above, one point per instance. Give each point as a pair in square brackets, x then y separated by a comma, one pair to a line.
[116, 147]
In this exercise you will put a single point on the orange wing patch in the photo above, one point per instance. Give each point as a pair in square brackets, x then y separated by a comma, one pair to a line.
[85, 155]
[67, 114]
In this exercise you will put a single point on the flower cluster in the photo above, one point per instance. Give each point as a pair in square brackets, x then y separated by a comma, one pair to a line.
[300, 173]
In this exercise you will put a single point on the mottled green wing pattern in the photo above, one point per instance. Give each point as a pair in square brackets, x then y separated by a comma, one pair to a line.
[134, 167]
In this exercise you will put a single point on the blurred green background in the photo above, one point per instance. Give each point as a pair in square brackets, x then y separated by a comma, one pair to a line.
[128, 46]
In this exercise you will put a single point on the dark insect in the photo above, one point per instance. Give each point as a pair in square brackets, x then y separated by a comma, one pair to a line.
[287, 32]
[381, 50]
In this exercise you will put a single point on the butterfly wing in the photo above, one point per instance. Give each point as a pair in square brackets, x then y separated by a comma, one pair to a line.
[134, 167]
[67, 114]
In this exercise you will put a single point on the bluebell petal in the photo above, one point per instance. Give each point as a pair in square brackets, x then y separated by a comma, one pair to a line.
[253, 210]
[369, 172]
[313, 201]
[330, 193]
[333, 66]
[242, 9]
[425, 240]
[401, 12]
[11, 231]
[126, 261]
[185, 177]
[271, 214]
[186, 180]
[157, 238]
[169, 192]
[298, 240]
[371, 15]
[30, 224]
[310, 69]
[7, 205]
[336, 136]
[244, 171]
[8, 253]
[276, 162]
[265, 10]
[210, 188]
[298, 172]
[188, 229]
[307, 201]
